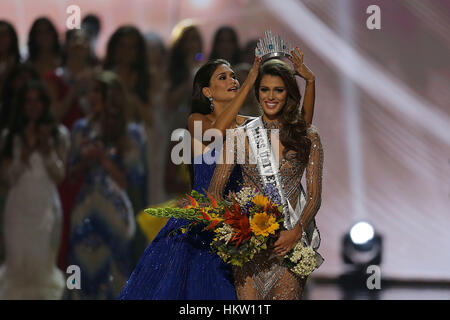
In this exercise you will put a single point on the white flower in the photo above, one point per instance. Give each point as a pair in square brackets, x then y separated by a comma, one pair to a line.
[305, 259]
[225, 233]
[245, 195]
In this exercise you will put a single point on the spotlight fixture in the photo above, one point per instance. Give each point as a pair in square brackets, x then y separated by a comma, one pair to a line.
[362, 246]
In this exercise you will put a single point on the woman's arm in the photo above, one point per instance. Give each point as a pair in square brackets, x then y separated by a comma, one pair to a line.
[143, 110]
[304, 72]
[308, 102]
[116, 174]
[289, 238]
[10, 169]
[55, 156]
[223, 170]
[313, 179]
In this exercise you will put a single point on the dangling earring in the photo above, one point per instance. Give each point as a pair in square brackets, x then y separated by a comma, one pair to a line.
[211, 106]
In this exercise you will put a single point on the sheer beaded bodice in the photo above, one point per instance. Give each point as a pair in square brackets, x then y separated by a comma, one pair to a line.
[266, 277]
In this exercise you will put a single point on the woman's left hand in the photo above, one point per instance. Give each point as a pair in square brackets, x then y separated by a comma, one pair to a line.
[300, 68]
[287, 241]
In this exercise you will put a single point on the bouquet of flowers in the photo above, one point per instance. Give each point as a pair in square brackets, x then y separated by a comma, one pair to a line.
[244, 224]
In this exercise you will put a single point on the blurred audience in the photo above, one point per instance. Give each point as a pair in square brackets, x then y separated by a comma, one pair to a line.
[109, 153]
[44, 50]
[9, 53]
[15, 80]
[250, 107]
[186, 57]
[70, 85]
[226, 46]
[33, 153]
[127, 56]
[158, 136]
[92, 25]
[119, 114]
[248, 52]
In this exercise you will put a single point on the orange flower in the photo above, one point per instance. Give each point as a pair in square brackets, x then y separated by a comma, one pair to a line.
[206, 216]
[194, 203]
[213, 202]
[239, 223]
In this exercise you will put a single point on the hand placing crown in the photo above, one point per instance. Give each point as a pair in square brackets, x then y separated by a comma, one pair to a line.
[273, 46]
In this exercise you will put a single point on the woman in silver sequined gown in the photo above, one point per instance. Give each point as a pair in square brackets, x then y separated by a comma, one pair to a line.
[300, 150]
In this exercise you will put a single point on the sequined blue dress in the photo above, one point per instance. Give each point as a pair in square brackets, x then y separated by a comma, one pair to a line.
[182, 266]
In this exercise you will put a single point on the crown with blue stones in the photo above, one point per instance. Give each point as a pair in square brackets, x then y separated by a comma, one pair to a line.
[272, 46]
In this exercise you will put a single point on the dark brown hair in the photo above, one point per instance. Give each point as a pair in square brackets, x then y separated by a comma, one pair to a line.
[139, 66]
[199, 103]
[293, 126]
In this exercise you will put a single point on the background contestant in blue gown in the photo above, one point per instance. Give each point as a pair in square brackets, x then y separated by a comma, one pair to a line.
[182, 266]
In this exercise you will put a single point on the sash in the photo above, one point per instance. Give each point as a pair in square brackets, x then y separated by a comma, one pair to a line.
[268, 169]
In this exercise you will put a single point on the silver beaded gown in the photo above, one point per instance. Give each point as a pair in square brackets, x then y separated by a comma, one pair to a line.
[265, 277]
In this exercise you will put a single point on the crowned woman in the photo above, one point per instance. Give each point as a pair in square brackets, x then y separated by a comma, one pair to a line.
[278, 161]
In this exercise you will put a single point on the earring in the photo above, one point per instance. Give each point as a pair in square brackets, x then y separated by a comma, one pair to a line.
[211, 106]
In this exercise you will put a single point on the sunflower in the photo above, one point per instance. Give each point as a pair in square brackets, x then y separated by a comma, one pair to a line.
[263, 224]
[261, 201]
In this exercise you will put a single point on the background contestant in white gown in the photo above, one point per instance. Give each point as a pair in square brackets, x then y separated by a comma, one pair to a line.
[33, 151]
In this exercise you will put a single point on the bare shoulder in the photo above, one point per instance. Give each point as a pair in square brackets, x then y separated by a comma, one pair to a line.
[193, 117]
[197, 116]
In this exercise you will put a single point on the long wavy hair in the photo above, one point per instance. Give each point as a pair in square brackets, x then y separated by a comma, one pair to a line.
[15, 80]
[178, 68]
[19, 119]
[199, 103]
[14, 48]
[293, 126]
[33, 46]
[115, 99]
[235, 59]
[139, 65]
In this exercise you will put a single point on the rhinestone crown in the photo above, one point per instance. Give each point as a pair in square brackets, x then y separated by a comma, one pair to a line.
[272, 46]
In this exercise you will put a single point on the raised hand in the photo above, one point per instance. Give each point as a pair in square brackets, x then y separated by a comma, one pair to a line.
[300, 68]
[255, 68]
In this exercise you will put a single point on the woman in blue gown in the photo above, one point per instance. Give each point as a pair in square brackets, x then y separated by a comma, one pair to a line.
[181, 266]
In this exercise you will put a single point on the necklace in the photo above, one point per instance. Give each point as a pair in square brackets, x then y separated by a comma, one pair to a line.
[274, 124]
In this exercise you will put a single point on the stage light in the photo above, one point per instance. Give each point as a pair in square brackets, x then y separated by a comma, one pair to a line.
[362, 246]
[361, 233]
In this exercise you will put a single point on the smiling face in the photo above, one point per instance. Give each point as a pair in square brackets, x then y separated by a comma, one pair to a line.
[272, 95]
[223, 85]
